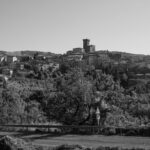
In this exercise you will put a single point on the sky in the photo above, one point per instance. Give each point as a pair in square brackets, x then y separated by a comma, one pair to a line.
[60, 25]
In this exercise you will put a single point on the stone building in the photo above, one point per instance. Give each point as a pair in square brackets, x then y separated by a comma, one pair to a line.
[91, 58]
[87, 47]
[78, 50]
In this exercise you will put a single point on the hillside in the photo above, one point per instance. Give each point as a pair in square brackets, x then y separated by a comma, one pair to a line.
[48, 87]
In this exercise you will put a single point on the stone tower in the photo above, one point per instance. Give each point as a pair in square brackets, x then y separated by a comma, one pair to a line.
[86, 43]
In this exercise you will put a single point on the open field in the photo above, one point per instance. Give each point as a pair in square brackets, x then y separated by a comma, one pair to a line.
[48, 139]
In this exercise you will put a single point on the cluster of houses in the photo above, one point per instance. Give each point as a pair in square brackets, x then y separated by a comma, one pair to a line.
[10, 62]
[90, 56]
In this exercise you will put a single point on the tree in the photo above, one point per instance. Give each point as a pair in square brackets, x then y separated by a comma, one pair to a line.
[74, 98]
[12, 108]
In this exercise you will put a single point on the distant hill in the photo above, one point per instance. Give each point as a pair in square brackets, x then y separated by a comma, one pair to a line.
[31, 53]
[26, 52]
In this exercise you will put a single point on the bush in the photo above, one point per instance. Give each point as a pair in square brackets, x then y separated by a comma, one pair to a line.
[11, 143]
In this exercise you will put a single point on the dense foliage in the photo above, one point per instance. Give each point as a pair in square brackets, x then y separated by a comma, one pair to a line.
[73, 93]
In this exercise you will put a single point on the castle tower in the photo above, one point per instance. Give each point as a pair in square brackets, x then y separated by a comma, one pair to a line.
[86, 43]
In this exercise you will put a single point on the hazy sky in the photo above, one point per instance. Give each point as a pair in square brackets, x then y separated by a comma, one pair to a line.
[60, 25]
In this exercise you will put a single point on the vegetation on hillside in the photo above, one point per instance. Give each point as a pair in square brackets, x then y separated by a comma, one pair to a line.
[72, 94]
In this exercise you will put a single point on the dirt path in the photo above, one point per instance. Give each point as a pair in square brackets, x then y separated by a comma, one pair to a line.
[85, 140]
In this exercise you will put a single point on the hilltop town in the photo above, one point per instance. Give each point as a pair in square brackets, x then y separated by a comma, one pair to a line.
[20, 63]
[37, 87]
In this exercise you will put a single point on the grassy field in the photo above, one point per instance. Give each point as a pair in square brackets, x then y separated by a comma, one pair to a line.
[46, 139]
